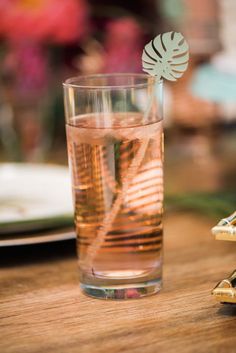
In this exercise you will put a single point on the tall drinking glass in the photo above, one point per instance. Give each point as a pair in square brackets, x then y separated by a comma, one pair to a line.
[114, 137]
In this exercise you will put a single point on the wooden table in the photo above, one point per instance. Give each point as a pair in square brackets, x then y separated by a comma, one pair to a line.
[42, 309]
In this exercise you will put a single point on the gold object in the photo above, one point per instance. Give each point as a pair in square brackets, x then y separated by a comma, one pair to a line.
[225, 291]
[226, 228]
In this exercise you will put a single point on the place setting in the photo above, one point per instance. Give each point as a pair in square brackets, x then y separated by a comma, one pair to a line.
[36, 204]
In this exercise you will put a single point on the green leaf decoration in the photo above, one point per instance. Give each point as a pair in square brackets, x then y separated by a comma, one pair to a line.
[214, 205]
[166, 56]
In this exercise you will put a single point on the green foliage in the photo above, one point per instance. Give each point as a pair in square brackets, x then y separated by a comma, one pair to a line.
[215, 205]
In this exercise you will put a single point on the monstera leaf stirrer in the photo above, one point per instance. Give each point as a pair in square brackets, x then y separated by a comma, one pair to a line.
[166, 56]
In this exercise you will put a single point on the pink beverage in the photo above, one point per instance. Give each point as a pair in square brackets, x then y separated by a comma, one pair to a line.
[117, 181]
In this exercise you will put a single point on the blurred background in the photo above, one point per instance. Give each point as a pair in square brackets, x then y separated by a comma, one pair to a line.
[42, 42]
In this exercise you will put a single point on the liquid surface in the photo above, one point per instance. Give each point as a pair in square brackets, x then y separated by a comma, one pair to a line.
[105, 162]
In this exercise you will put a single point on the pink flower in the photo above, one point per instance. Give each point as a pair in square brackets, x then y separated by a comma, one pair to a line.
[123, 46]
[28, 64]
[59, 21]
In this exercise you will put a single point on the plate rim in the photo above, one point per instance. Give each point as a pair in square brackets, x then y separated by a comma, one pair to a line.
[38, 239]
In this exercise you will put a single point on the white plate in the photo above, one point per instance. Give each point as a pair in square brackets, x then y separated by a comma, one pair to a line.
[34, 197]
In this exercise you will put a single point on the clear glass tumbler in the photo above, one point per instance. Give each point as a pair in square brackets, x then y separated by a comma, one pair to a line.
[115, 151]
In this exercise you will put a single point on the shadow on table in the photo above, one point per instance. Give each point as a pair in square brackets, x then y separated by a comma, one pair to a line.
[227, 310]
[20, 255]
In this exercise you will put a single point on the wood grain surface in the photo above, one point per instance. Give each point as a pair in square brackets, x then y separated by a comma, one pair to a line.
[43, 310]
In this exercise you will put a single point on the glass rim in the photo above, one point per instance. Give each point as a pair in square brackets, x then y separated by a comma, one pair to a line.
[150, 80]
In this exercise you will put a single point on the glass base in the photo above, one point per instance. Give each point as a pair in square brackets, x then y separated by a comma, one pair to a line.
[119, 292]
